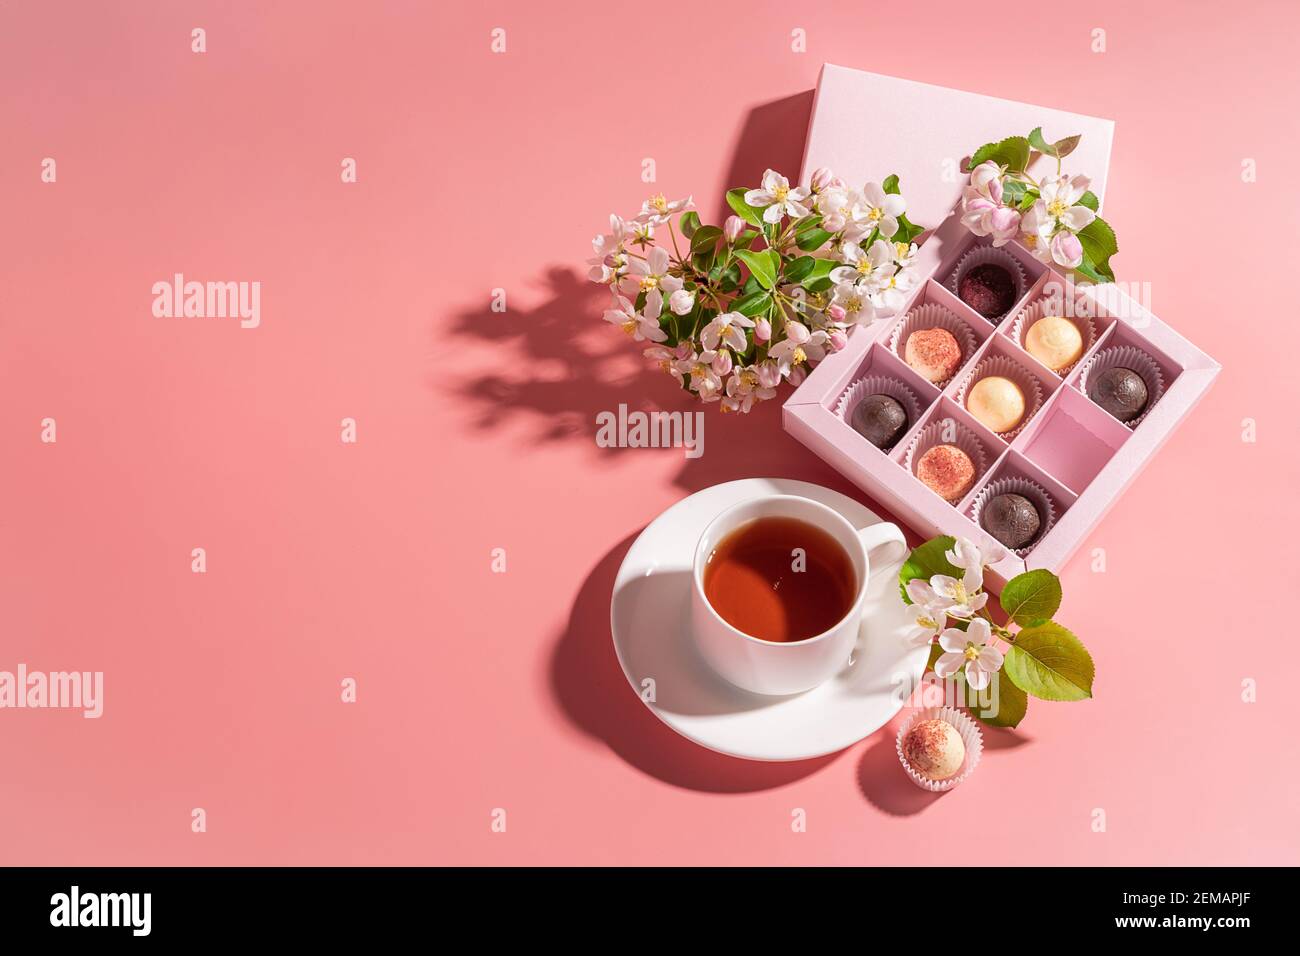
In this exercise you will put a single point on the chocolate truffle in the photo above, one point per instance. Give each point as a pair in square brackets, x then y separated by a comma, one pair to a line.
[997, 402]
[880, 419]
[1120, 392]
[947, 471]
[934, 749]
[989, 289]
[934, 353]
[1054, 341]
[1012, 519]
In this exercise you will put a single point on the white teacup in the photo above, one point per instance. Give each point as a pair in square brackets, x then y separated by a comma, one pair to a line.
[769, 667]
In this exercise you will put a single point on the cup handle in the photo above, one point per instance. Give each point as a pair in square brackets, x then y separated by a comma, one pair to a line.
[888, 539]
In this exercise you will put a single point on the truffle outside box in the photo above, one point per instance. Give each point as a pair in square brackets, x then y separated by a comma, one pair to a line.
[1077, 454]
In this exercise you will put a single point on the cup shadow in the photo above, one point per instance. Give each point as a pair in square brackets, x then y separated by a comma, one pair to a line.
[591, 689]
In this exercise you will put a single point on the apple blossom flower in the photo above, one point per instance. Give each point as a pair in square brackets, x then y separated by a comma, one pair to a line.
[778, 197]
[822, 179]
[982, 210]
[651, 272]
[879, 210]
[700, 377]
[746, 387]
[920, 593]
[1066, 249]
[727, 329]
[928, 621]
[666, 360]
[610, 243]
[854, 302]
[969, 649]
[963, 597]
[769, 374]
[1056, 204]
[965, 554]
[681, 302]
[835, 205]
[657, 209]
[905, 254]
[797, 348]
[863, 267]
[890, 292]
[641, 327]
[722, 362]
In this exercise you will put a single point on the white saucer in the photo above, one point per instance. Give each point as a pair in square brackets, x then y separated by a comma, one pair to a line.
[650, 614]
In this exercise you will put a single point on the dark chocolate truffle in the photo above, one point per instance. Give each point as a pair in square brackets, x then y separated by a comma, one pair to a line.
[1120, 392]
[988, 289]
[880, 419]
[1012, 519]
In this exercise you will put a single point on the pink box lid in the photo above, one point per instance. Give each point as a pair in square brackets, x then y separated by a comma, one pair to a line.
[928, 131]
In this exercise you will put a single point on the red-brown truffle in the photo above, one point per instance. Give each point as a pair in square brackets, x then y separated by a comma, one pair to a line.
[934, 353]
[988, 289]
[947, 471]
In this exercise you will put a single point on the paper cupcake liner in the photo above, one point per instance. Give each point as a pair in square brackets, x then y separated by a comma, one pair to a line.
[931, 316]
[971, 737]
[1032, 490]
[1006, 368]
[965, 439]
[1126, 356]
[1053, 305]
[880, 385]
[980, 255]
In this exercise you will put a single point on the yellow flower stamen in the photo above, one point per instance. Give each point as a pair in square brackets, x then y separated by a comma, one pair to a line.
[798, 356]
[1056, 208]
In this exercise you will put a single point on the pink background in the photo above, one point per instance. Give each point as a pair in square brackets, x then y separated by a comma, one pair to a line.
[481, 690]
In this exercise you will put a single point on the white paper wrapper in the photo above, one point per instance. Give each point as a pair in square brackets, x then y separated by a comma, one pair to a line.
[935, 433]
[1053, 305]
[979, 255]
[1001, 365]
[880, 385]
[1040, 496]
[931, 316]
[970, 737]
[1126, 356]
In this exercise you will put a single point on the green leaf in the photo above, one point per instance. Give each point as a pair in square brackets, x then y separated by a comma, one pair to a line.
[1028, 200]
[1090, 200]
[689, 222]
[821, 270]
[800, 268]
[755, 303]
[890, 185]
[760, 265]
[705, 238]
[812, 240]
[1012, 153]
[1012, 704]
[1050, 663]
[736, 200]
[807, 222]
[746, 238]
[1058, 150]
[926, 561]
[1099, 244]
[1032, 598]
[731, 278]
[907, 230]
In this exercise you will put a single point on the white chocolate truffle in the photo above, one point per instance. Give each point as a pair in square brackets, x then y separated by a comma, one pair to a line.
[934, 749]
[997, 402]
[1054, 341]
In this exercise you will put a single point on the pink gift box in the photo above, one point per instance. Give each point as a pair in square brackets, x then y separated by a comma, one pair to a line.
[1070, 449]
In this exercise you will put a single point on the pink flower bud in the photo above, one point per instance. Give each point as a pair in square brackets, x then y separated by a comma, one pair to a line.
[732, 228]
[1067, 250]
[722, 362]
[836, 312]
[838, 339]
[762, 331]
[684, 350]
[823, 178]
[769, 376]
